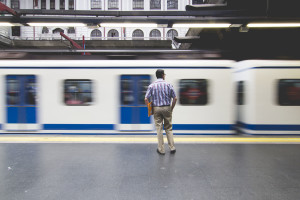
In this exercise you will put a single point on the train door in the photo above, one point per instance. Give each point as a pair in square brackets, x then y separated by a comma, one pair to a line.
[21, 108]
[133, 112]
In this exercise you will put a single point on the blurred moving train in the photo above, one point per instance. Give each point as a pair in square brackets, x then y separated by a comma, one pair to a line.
[107, 96]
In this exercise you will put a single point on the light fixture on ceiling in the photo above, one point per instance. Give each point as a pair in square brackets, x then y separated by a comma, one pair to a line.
[6, 24]
[57, 24]
[204, 25]
[273, 25]
[129, 25]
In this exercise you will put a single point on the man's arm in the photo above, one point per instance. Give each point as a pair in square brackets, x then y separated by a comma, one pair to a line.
[148, 95]
[174, 102]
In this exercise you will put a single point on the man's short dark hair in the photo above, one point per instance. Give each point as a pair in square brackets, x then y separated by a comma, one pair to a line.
[160, 73]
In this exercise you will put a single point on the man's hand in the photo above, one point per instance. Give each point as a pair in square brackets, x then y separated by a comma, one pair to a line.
[174, 103]
[146, 101]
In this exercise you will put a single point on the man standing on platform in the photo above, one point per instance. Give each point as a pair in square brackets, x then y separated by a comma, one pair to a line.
[162, 94]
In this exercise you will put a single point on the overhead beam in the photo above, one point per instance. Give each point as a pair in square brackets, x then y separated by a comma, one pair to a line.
[210, 12]
[166, 21]
[104, 51]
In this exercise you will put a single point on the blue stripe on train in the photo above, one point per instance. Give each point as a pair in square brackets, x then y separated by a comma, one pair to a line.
[196, 127]
[78, 127]
[269, 127]
[111, 127]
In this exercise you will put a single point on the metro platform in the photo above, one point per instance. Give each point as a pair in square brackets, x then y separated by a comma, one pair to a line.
[128, 167]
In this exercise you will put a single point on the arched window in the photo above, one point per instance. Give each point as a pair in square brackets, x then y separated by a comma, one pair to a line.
[96, 34]
[71, 30]
[171, 34]
[45, 30]
[57, 30]
[155, 35]
[155, 4]
[138, 34]
[15, 4]
[172, 4]
[113, 34]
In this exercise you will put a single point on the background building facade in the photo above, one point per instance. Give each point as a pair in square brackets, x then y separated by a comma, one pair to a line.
[97, 33]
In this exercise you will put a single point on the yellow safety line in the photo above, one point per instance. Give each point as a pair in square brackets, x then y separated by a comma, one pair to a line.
[146, 139]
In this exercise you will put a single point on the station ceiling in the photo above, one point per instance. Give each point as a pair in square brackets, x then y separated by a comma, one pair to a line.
[236, 39]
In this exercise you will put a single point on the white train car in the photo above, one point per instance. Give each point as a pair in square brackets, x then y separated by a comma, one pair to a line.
[268, 96]
[107, 97]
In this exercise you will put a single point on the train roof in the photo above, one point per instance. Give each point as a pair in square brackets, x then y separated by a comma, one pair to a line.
[266, 64]
[115, 63]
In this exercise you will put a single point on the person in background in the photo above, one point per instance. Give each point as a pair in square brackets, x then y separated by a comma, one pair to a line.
[164, 100]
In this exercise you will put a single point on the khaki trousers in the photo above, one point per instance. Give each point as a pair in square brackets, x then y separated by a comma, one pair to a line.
[163, 114]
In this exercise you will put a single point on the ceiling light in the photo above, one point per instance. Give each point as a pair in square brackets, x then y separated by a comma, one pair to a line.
[6, 24]
[222, 25]
[273, 25]
[129, 25]
[57, 24]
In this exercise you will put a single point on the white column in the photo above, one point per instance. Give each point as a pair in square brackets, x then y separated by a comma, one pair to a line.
[146, 5]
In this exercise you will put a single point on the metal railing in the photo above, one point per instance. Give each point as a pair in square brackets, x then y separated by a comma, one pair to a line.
[52, 37]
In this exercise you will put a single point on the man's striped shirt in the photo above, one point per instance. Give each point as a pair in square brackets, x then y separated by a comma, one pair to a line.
[161, 93]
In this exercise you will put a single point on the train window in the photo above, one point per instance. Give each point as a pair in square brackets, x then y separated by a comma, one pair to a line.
[30, 92]
[13, 92]
[193, 92]
[143, 84]
[77, 92]
[240, 93]
[133, 89]
[289, 92]
[127, 97]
